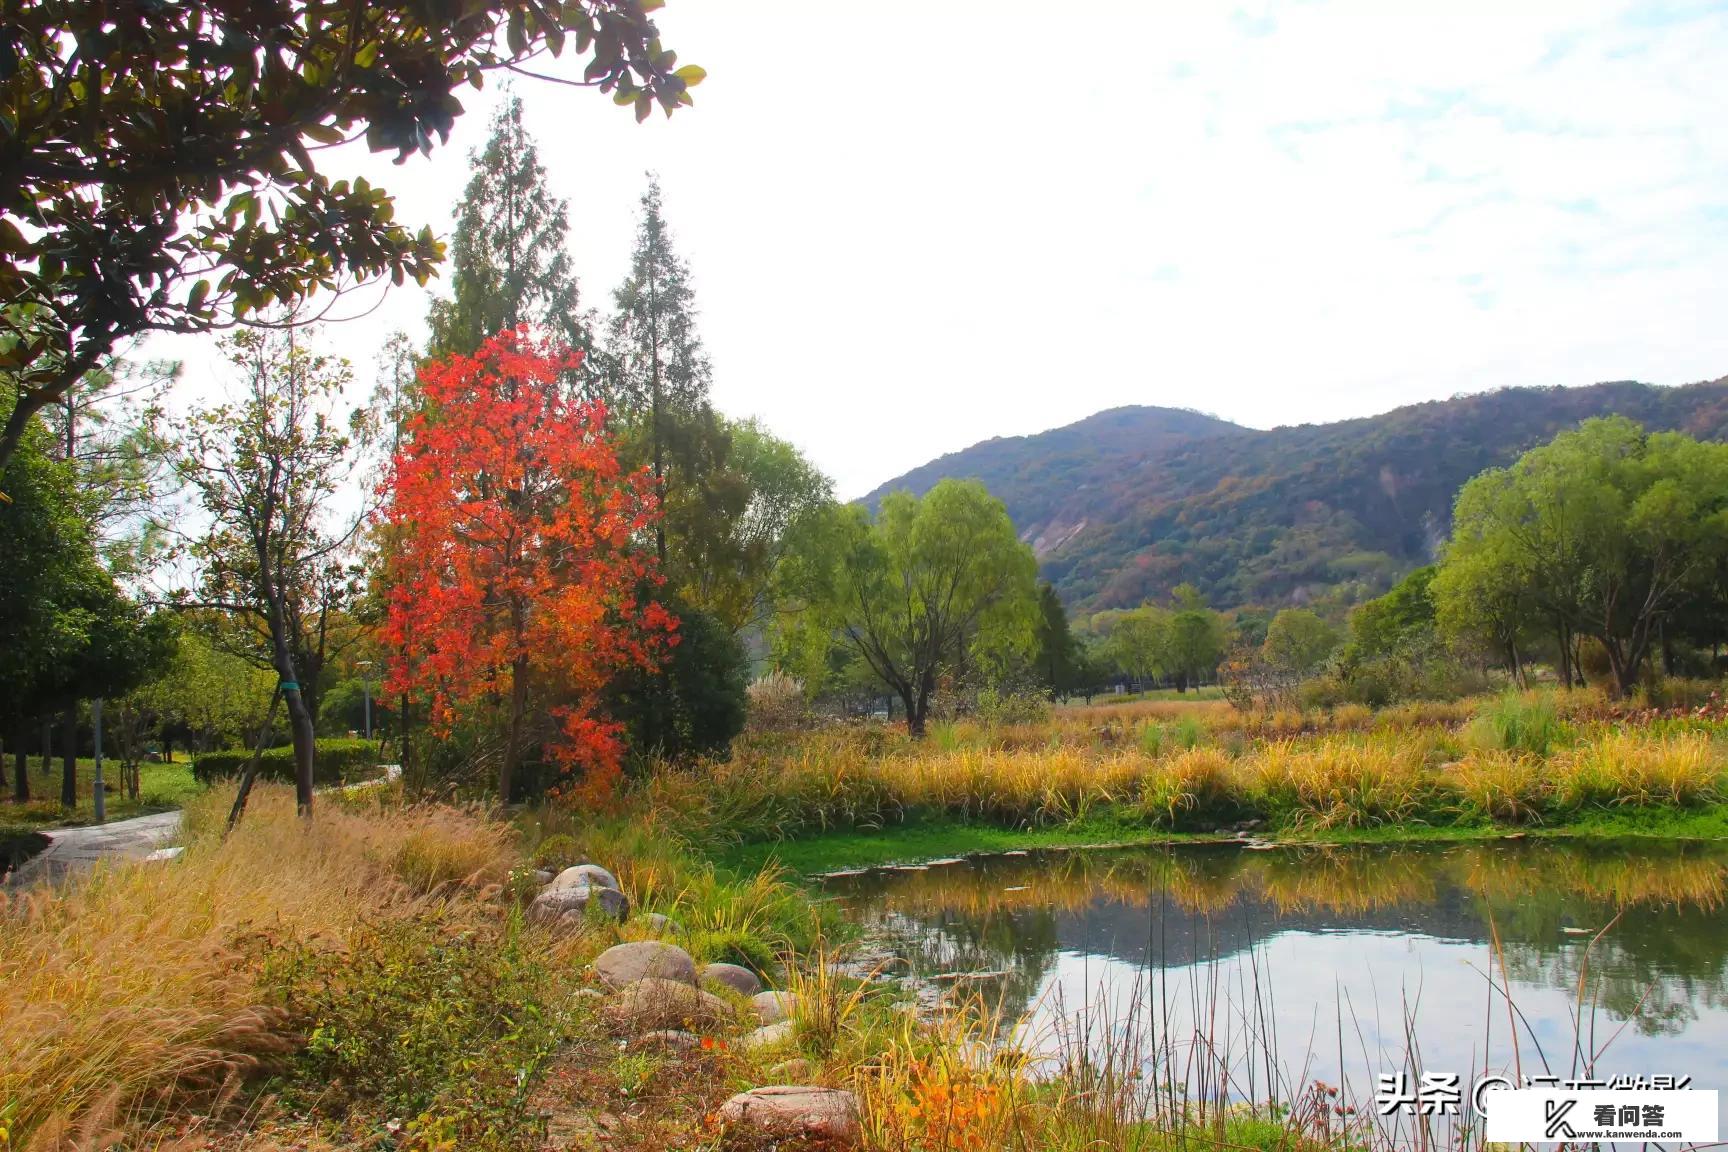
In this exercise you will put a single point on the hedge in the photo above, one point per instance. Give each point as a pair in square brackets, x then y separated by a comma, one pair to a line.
[335, 762]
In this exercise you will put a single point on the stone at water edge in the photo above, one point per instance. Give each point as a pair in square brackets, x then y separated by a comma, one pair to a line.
[770, 1036]
[624, 964]
[734, 976]
[568, 907]
[773, 1007]
[590, 874]
[789, 1110]
[652, 1003]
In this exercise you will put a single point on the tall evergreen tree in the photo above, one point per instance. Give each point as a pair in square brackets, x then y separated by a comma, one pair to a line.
[659, 374]
[508, 260]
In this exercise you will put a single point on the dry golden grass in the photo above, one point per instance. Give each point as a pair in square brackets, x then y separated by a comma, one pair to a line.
[1504, 786]
[130, 993]
[1628, 768]
[1342, 783]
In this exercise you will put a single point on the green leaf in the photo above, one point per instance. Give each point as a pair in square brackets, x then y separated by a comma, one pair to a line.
[644, 105]
[691, 74]
[200, 292]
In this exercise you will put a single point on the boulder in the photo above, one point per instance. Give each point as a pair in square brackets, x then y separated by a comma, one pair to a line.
[591, 875]
[543, 877]
[773, 1007]
[652, 1003]
[786, 1110]
[568, 906]
[654, 924]
[770, 1036]
[793, 1071]
[625, 964]
[666, 1040]
[734, 976]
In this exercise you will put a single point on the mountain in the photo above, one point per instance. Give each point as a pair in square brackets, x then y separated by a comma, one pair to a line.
[1123, 506]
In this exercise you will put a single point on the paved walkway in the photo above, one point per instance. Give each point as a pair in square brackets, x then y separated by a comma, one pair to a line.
[73, 850]
[77, 849]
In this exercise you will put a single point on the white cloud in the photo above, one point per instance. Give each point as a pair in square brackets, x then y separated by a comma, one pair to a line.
[915, 225]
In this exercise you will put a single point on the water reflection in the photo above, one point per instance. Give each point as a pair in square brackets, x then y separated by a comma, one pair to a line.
[1339, 961]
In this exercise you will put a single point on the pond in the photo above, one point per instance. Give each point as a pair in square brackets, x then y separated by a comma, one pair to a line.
[1248, 972]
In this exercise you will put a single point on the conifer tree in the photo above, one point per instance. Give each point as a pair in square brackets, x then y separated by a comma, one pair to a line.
[508, 260]
[659, 371]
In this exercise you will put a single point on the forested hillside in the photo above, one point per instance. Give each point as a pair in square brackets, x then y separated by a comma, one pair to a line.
[1127, 504]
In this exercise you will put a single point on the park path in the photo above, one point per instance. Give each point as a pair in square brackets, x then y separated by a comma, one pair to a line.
[72, 850]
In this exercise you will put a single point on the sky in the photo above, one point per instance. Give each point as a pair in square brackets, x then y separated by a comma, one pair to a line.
[918, 224]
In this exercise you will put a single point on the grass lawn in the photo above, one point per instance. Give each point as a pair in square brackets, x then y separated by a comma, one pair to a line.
[160, 786]
[1210, 692]
[929, 839]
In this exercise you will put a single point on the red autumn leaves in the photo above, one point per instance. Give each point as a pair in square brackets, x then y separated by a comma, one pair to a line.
[516, 549]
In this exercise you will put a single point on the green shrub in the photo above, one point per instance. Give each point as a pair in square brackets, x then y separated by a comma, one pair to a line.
[1521, 723]
[558, 852]
[442, 1024]
[334, 762]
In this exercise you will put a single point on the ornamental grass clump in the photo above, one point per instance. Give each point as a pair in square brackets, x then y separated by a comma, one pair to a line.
[1196, 786]
[139, 991]
[1341, 783]
[1621, 768]
[1503, 786]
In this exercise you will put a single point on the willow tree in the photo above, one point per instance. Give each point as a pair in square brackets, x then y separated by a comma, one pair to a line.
[1606, 532]
[909, 589]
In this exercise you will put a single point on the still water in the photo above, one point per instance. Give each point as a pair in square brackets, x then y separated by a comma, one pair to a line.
[1281, 966]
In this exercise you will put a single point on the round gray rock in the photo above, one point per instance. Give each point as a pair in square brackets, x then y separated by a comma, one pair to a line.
[734, 976]
[625, 964]
[770, 1036]
[652, 1003]
[568, 907]
[591, 875]
[793, 1071]
[773, 1007]
[666, 1040]
[656, 924]
[787, 1110]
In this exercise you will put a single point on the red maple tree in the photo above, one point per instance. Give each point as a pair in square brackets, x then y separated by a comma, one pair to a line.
[517, 571]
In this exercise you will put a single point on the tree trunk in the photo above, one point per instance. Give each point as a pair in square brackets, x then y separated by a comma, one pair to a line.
[915, 720]
[20, 769]
[251, 772]
[407, 739]
[69, 757]
[513, 736]
[305, 748]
